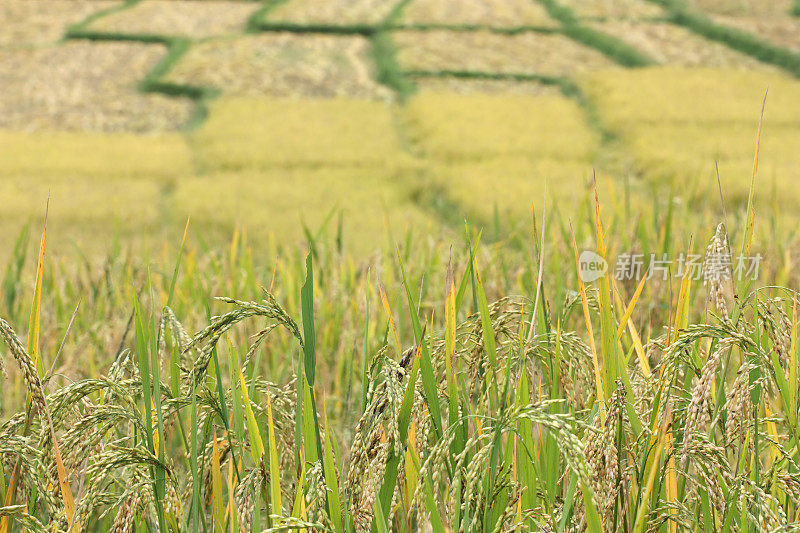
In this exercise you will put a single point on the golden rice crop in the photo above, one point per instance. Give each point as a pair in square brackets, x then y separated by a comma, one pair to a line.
[277, 201]
[114, 157]
[76, 199]
[678, 94]
[511, 184]
[614, 9]
[486, 51]
[683, 136]
[325, 12]
[670, 44]
[779, 31]
[453, 127]
[84, 85]
[495, 13]
[274, 132]
[179, 17]
[282, 64]
[30, 23]
[742, 7]
[457, 85]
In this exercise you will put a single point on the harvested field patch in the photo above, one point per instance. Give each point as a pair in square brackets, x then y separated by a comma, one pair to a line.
[184, 18]
[85, 85]
[492, 13]
[670, 44]
[283, 64]
[614, 9]
[450, 84]
[510, 184]
[327, 13]
[742, 7]
[275, 132]
[485, 51]
[37, 22]
[779, 31]
[276, 201]
[160, 157]
[454, 127]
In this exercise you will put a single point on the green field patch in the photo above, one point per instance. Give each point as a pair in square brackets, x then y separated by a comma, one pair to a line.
[281, 132]
[182, 18]
[454, 127]
[282, 64]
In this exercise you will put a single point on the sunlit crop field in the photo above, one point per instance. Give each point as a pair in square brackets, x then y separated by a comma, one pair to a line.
[399, 265]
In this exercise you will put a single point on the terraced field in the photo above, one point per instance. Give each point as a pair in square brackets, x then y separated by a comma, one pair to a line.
[238, 112]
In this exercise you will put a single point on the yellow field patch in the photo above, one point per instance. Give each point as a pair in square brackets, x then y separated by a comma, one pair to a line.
[280, 132]
[512, 184]
[282, 64]
[452, 126]
[277, 201]
[486, 51]
[677, 94]
[95, 156]
[179, 17]
[680, 134]
[494, 13]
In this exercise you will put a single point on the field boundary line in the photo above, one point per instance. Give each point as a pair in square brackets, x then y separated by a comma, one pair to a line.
[613, 48]
[734, 38]
[153, 81]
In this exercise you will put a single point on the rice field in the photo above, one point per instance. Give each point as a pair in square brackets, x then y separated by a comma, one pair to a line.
[346, 132]
[85, 86]
[29, 24]
[682, 137]
[182, 18]
[410, 266]
[463, 127]
[282, 64]
[322, 12]
[780, 31]
[743, 7]
[614, 9]
[484, 13]
[673, 45]
[486, 51]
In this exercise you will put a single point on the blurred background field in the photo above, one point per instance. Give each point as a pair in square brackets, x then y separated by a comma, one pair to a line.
[273, 115]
